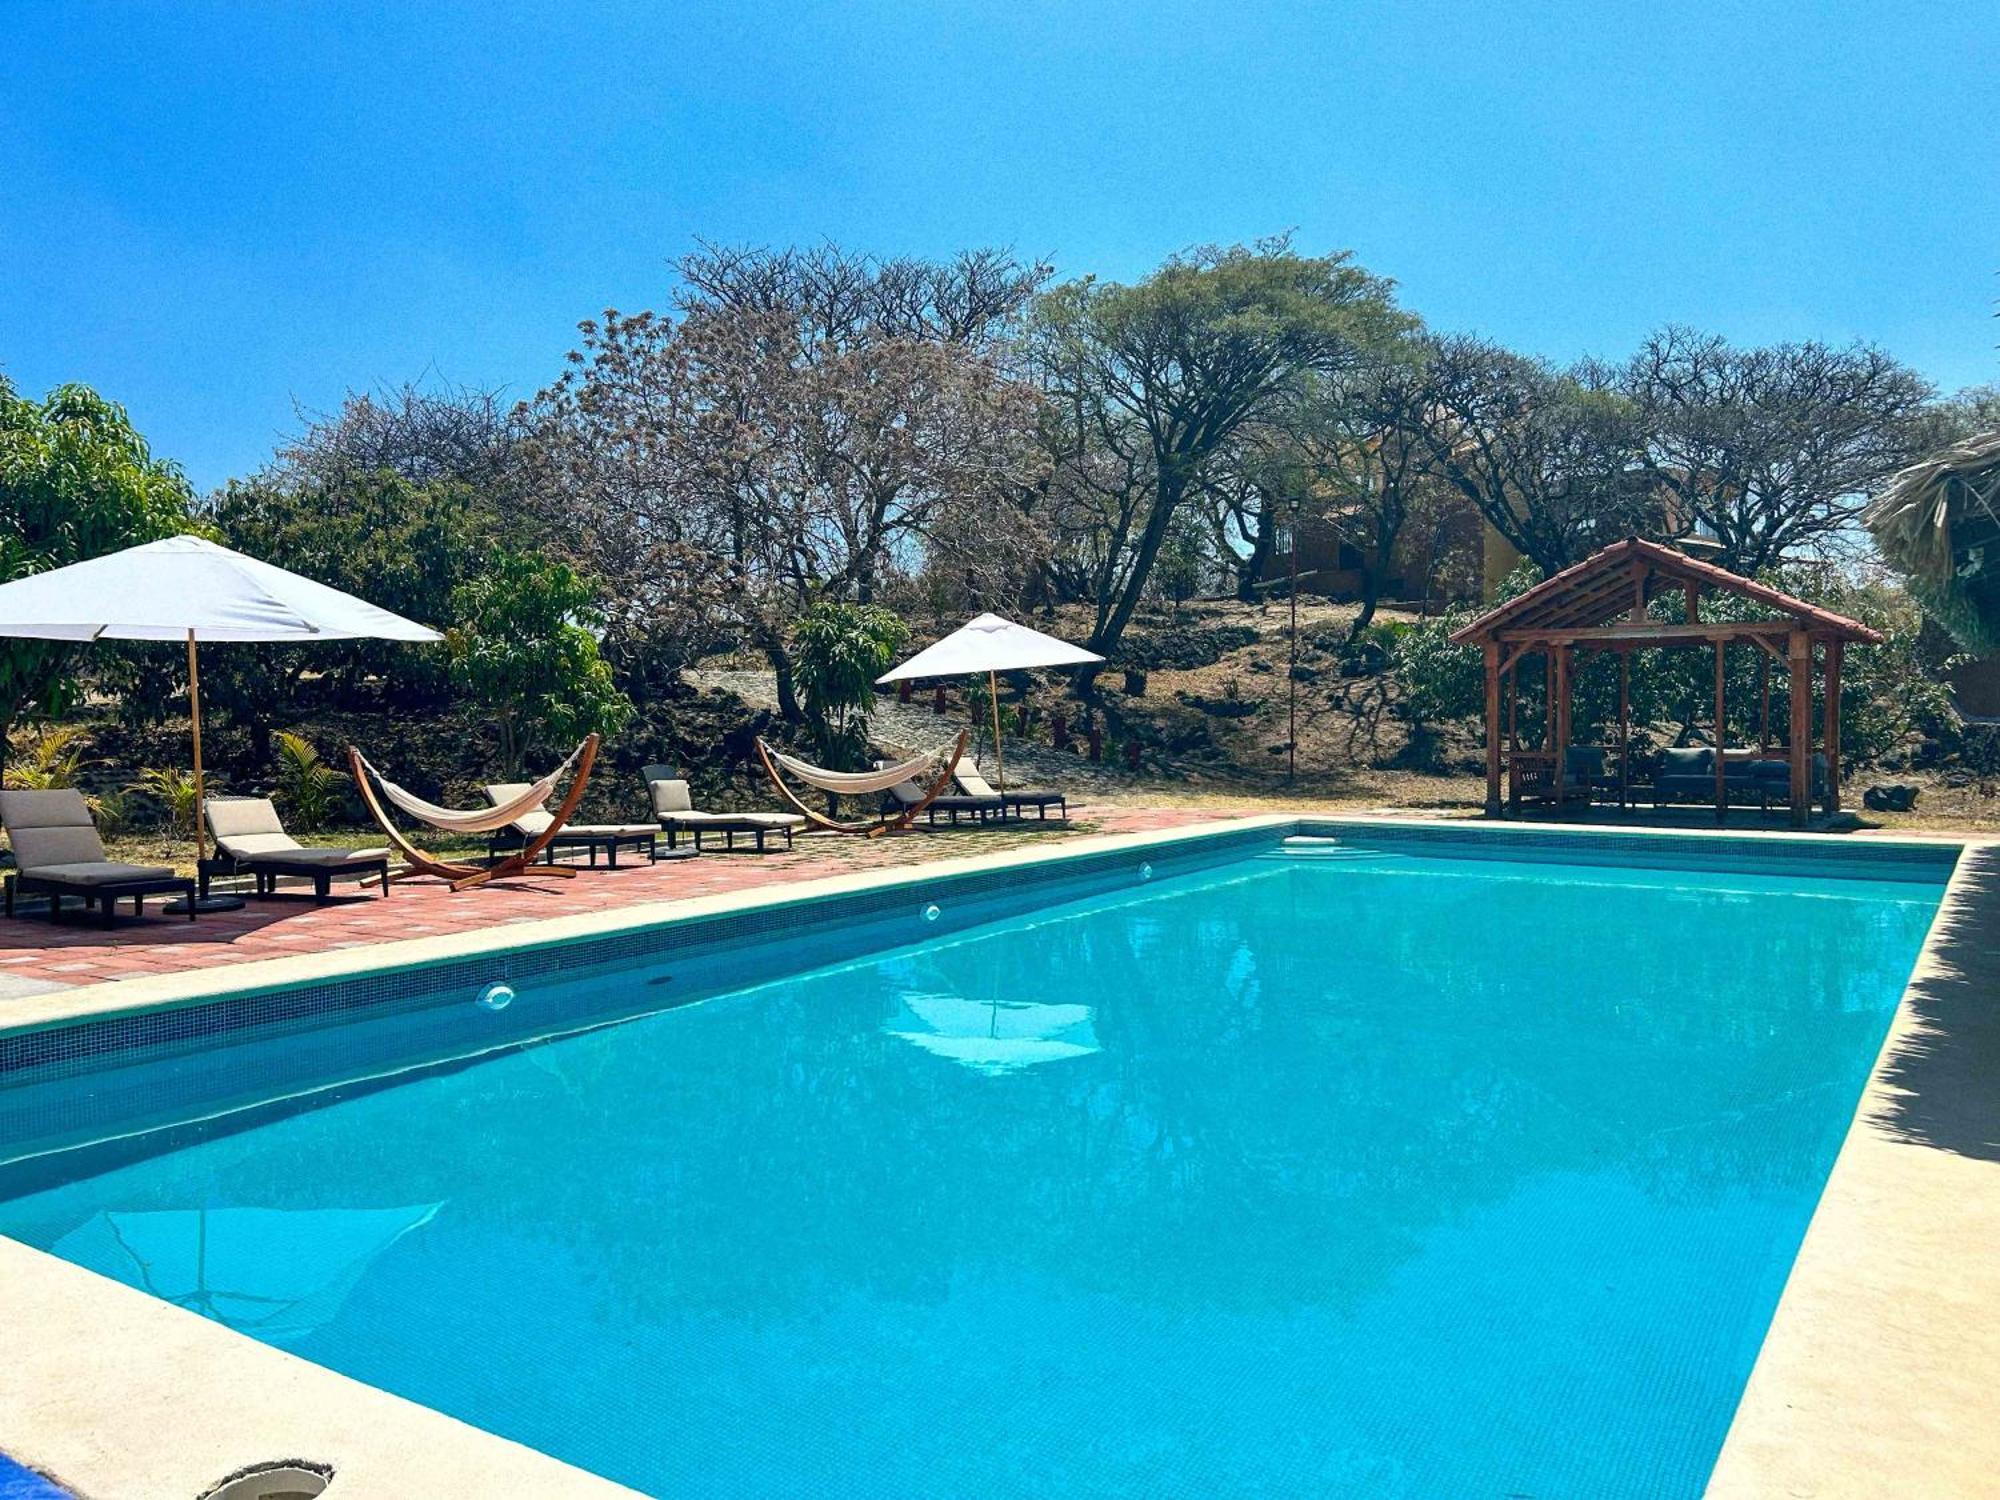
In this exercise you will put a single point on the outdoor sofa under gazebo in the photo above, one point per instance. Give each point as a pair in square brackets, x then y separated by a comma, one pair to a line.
[1601, 604]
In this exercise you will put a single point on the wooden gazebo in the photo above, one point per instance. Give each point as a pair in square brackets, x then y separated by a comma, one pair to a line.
[1601, 604]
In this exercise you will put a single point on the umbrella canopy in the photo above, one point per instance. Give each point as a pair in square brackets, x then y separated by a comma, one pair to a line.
[277, 1274]
[994, 1037]
[990, 644]
[188, 587]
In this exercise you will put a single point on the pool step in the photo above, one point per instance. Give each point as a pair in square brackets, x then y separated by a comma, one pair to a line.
[1308, 846]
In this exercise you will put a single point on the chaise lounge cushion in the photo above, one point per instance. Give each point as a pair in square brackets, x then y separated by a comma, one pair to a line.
[98, 872]
[674, 804]
[973, 784]
[55, 838]
[533, 824]
[248, 829]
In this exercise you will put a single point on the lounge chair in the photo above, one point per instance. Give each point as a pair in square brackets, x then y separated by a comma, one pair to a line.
[536, 821]
[673, 806]
[250, 839]
[1017, 799]
[907, 794]
[57, 852]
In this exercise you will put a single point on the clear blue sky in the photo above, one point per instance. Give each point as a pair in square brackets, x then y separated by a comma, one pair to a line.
[213, 211]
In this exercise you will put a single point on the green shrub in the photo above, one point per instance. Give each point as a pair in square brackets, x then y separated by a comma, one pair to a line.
[308, 788]
[838, 650]
[173, 788]
[526, 648]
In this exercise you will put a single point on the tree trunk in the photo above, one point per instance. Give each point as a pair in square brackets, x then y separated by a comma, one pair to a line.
[1371, 594]
[1166, 500]
[788, 697]
[1263, 543]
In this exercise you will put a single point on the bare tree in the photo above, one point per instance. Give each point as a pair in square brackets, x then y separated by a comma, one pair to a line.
[1551, 458]
[761, 451]
[1776, 449]
[427, 434]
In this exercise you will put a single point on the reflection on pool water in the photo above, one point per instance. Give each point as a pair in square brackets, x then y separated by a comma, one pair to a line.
[1396, 1176]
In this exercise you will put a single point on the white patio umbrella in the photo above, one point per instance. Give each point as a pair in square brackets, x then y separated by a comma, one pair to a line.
[188, 588]
[991, 645]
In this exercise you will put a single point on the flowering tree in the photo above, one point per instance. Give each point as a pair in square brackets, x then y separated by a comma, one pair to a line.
[794, 432]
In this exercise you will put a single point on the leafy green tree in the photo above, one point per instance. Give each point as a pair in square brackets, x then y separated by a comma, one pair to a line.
[525, 647]
[76, 481]
[405, 546]
[1165, 372]
[839, 650]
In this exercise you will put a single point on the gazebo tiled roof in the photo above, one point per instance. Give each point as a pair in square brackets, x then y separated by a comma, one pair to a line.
[1593, 602]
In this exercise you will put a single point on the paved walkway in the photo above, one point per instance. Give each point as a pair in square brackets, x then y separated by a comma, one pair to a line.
[37, 956]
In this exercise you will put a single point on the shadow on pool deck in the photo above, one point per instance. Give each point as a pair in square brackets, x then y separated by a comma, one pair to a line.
[1943, 1071]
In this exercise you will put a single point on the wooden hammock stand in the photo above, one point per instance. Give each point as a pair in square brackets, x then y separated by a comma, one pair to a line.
[878, 826]
[464, 877]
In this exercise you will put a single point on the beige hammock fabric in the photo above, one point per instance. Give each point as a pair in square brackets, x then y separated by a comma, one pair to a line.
[856, 783]
[476, 819]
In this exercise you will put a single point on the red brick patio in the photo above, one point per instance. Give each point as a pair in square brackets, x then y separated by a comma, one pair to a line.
[79, 951]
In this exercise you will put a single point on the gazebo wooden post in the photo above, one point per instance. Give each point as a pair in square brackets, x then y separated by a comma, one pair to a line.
[1798, 661]
[1721, 734]
[1624, 727]
[1764, 708]
[1830, 733]
[1558, 725]
[1492, 653]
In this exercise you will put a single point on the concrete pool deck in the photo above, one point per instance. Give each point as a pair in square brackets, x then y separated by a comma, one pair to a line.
[1875, 1377]
[38, 956]
[1878, 1374]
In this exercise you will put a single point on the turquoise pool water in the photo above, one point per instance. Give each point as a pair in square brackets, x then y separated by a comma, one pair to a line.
[1371, 1174]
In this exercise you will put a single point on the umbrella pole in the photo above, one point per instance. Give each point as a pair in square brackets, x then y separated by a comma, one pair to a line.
[194, 721]
[999, 755]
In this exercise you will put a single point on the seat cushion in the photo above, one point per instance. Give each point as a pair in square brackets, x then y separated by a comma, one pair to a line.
[531, 824]
[50, 828]
[1583, 760]
[1690, 762]
[670, 795]
[610, 830]
[732, 820]
[247, 825]
[99, 872]
[330, 858]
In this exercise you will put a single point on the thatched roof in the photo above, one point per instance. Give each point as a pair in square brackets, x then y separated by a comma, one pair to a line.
[1939, 521]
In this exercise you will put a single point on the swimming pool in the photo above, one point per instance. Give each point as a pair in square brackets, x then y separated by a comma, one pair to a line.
[1402, 1165]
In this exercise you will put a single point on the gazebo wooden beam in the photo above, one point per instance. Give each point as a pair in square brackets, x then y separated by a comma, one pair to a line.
[1654, 634]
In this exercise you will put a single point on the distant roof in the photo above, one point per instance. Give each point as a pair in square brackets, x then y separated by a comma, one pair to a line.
[1597, 595]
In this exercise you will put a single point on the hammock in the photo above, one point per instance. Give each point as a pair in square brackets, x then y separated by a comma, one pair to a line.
[861, 784]
[856, 783]
[476, 820]
[471, 820]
